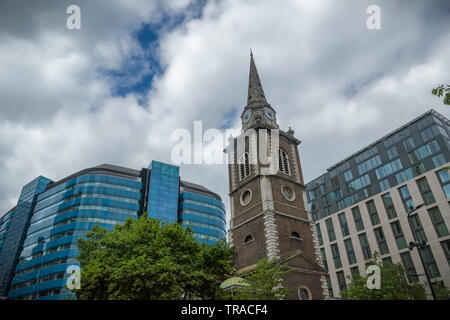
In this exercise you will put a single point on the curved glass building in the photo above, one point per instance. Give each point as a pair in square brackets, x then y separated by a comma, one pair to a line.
[202, 211]
[59, 213]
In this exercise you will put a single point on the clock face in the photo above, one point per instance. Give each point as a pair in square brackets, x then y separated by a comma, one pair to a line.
[269, 114]
[247, 116]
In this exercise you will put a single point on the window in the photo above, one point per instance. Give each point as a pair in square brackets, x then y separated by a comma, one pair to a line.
[335, 195]
[388, 169]
[365, 246]
[248, 239]
[408, 203]
[244, 166]
[324, 258]
[347, 201]
[366, 154]
[392, 153]
[426, 150]
[358, 219]
[348, 175]
[396, 138]
[430, 263]
[368, 192]
[389, 205]
[430, 133]
[330, 229]
[410, 173]
[344, 225]
[341, 280]
[438, 222]
[384, 184]
[381, 240]
[319, 234]
[417, 228]
[425, 190]
[336, 256]
[409, 266]
[295, 235]
[304, 294]
[446, 248]
[369, 164]
[357, 184]
[350, 251]
[398, 235]
[335, 182]
[425, 122]
[373, 212]
[330, 288]
[354, 271]
[444, 177]
[409, 144]
[438, 160]
[283, 162]
[387, 260]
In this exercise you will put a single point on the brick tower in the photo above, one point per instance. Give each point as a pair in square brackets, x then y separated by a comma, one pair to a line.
[268, 200]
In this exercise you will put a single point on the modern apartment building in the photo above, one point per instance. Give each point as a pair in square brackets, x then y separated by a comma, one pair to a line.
[362, 204]
[38, 238]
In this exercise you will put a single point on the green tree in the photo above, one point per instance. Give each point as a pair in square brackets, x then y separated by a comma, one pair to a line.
[266, 283]
[442, 90]
[442, 292]
[394, 285]
[147, 259]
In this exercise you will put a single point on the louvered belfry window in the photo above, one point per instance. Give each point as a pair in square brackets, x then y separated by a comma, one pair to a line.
[244, 166]
[283, 162]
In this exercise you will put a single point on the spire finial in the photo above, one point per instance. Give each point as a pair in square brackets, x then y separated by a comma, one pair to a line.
[255, 90]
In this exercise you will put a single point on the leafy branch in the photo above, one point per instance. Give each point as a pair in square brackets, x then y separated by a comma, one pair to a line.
[442, 90]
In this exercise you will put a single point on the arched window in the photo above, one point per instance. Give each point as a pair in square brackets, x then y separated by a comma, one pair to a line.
[244, 166]
[283, 162]
[248, 238]
[295, 235]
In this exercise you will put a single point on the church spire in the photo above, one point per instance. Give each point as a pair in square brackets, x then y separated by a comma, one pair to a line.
[255, 90]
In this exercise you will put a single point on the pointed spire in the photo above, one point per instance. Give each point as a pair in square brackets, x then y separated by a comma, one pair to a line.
[255, 90]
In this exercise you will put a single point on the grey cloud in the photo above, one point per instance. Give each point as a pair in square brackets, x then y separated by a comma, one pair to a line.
[339, 85]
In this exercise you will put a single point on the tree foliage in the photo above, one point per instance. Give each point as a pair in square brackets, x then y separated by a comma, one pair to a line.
[442, 90]
[394, 285]
[147, 259]
[266, 283]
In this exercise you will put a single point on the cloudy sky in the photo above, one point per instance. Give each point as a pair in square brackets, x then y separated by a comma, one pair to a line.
[115, 90]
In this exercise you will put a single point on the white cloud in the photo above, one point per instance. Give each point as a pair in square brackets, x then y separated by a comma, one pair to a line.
[339, 85]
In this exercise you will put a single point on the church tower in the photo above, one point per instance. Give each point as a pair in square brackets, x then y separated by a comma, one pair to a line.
[269, 218]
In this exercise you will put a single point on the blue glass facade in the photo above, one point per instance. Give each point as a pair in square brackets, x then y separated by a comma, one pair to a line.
[38, 238]
[204, 215]
[62, 215]
[17, 225]
[163, 192]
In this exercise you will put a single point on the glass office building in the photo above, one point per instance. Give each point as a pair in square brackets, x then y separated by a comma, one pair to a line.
[39, 236]
[203, 211]
[361, 204]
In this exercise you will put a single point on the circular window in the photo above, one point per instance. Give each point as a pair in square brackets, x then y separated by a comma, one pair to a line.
[304, 293]
[246, 197]
[288, 193]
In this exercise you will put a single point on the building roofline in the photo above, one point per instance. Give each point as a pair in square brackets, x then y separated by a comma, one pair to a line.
[429, 112]
[199, 188]
[105, 167]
